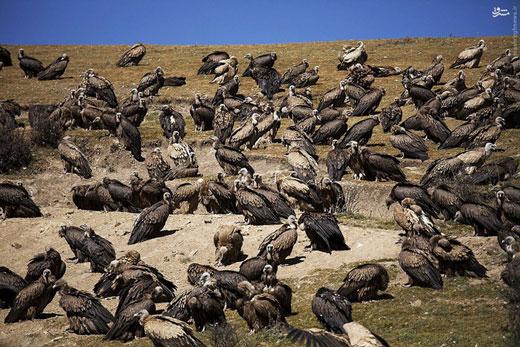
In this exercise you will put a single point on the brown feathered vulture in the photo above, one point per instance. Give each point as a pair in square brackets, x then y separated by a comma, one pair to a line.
[167, 331]
[5, 56]
[74, 237]
[294, 71]
[151, 82]
[351, 55]
[257, 210]
[86, 315]
[218, 197]
[456, 258]
[202, 114]
[129, 136]
[185, 196]
[364, 281]
[97, 250]
[55, 69]
[369, 102]
[421, 265]
[337, 161]
[228, 242]
[16, 201]
[305, 194]
[511, 274]
[99, 87]
[211, 61]
[50, 260]
[508, 207]
[132, 56]
[323, 231]
[151, 220]
[332, 309]
[32, 300]
[380, 166]
[447, 200]
[206, 304]
[308, 78]
[31, 66]
[419, 194]
[74, 160]
[361, 132]
[334, 97]
[332, 195]
[280, 241]
[265, 60]
[230, 159]
[460, 135]
[10, 285]
[330, 131]
[171, 121]
[482, 218]
[410, 145]
[281, 205]
[469, 57]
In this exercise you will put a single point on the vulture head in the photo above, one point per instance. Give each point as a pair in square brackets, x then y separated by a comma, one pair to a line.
[64, 56]
[354, 145]
[439, 58]
[157, 292]
[118, 117]
[305, 62]
[511, 245]
[220, 177]
[204, 277]
[489, 147]
[273, 55]
[47, 276]
[248, 56]
[316, 68]
[159, 71]
[326, 181]
[243, 173]
[236, 79]
[247, 288]
[60, 284]
[500, 197]
[500, 122]
[142, 315]
[334, 142]
[407, 202]
[89, 232]
[254, 119]
[291, 221]
[268, 269]
[360, 44]
[21, 53]
[292, 90]
[481, 44]
[175, 137]
[62, 231]
[396, 129]
[459, 218]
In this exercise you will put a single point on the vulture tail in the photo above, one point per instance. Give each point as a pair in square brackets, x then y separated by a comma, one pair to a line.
[474, 267]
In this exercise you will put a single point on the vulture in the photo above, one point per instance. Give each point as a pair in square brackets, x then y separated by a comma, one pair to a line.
[257, 210]
[317, 337]
[171, 121]
[218, 197]
[157, 167]
[332, 309]
[369, 102]
[363, 282]
[260, 311]
[228, 89]
[120, 196]
[508, 207]
[281, 205]
[361, 132]
[254, 269]
[307, 79]
[132, 56]
[129, 136]
[469, 57]
[281, 291]
[230, 159]
[86, 315]
[385, 71]
[185, 197]
[174, 81]
[436, 69]
[151, 220]
[206, 304]
[151, 82]
[266, 60]
[246, 134]
[486, 134]
[74, 237]
[97, 250]
[352, 55]
[303, 164]
[225, 71]
[280, 241]
[55, 69]
[337, 161]
[268, 80]
[416, 192]
[50, 260]
[180, 152]
[391, 115]
[167, 331]
[5, 56]
[460, 135]
[511, 274]
[134, 110]
[10, 285]
[126, 324]
[304, 194]
[30, 302]
[456, 258]
[31, 66]
[16, 201]
[447, 200]
[330, 131]
[211, 61]
[73, 159]
[361, 336]
[323, 231]
[228, 242]
[410, 145]
[146, 193]
[334, 97]
[380, 166]
[419, 94]
[202, 114]
[482, 218]
[223, 123]
[332, 195]
[99, 87]
[294, 71]
[420, 264]
[85, 197]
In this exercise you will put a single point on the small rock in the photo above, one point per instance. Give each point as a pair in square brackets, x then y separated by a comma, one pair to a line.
[117, 224]
[208, 221]
[16, 245]
[70, 212]
[416, 303]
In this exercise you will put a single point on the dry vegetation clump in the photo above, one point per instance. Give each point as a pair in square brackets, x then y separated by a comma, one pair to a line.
[45, 132]
[352, 199]
[15, 150]
[512, 298]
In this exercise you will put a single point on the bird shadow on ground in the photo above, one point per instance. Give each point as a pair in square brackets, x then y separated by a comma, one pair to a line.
[294, 260]
[383, 296]
[162, 233]
[48, 315]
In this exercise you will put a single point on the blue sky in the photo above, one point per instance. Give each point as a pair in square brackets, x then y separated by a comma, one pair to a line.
[244, 22]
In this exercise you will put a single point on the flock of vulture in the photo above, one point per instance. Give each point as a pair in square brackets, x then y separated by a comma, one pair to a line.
[452, 188]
